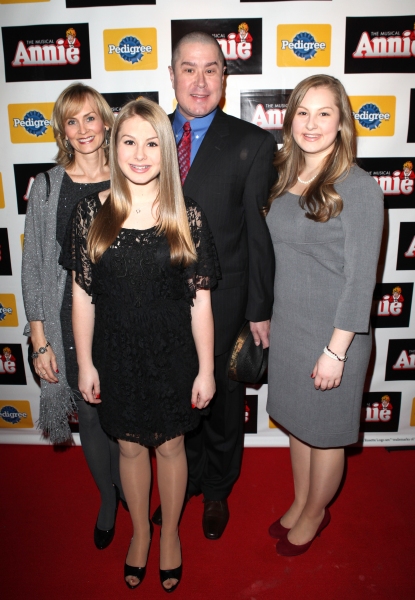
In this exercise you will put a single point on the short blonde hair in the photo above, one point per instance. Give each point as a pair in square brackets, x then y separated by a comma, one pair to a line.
[70, 102]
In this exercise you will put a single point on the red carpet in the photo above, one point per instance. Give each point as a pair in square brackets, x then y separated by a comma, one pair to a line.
[49, 505]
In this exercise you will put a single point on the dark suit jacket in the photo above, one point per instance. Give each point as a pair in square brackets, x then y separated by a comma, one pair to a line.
[230, 179]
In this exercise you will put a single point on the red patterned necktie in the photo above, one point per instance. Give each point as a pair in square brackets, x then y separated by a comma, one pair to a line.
[183, 150]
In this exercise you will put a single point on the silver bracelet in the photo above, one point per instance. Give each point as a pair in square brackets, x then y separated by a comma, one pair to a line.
[334, 356]
[41, 350]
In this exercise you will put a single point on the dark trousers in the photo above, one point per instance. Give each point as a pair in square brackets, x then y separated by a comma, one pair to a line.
[214, 449]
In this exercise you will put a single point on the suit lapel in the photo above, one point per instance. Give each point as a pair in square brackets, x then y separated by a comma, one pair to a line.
[209, 153]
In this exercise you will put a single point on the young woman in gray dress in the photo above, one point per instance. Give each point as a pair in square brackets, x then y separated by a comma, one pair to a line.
[82, 122]
[325, 218]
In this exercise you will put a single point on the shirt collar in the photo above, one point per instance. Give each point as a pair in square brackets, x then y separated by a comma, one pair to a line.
[198, 125]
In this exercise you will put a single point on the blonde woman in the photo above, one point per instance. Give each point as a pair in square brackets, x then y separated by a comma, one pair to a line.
[82, 122]
[145, 346]
[325, 219]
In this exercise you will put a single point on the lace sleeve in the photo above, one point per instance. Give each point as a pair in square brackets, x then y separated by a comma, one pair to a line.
[205, 272]
[74, 255]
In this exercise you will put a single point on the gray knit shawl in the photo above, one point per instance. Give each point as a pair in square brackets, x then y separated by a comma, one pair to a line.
[43, 283]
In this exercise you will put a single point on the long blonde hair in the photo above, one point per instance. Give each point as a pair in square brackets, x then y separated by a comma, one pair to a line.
[172, 215]
[68, 104]
[320, 199]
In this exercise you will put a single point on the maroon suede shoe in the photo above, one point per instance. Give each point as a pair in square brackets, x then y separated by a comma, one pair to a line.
[276, 530]
[286, 548]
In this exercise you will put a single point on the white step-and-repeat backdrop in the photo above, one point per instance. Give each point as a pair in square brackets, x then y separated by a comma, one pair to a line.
[123, 48]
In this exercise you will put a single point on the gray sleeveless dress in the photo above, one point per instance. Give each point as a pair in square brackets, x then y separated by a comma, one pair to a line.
[325, 275]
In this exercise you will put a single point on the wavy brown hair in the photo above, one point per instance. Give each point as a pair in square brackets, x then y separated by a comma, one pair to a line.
[172, 215]
[320, 199]
[68, 104]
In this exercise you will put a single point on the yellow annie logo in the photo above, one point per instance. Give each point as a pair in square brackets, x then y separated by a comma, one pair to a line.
[15, 414]
[31, 123]
[130, 49]
[303, 45]
[374, 115]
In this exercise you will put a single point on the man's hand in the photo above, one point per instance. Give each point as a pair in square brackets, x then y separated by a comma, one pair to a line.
[260, 331]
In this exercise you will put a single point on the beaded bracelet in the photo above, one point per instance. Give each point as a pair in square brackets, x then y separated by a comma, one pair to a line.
[334, 356]
[41, 350]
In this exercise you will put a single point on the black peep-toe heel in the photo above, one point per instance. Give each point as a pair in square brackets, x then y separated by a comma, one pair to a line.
[139, 572]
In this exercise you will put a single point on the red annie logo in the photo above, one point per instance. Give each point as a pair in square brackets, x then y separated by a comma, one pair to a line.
[236, 45]
[399, 182]
[405, 362]
[389, 44]
[379, 412]
[7, 362]
[39, 53]
[391, 305]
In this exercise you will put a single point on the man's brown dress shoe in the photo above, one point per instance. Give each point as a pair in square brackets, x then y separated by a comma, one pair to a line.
[215, 518]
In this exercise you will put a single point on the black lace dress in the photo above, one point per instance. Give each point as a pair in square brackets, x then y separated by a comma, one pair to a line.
[143, 345]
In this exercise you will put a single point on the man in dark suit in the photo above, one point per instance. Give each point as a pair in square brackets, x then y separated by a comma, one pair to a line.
[230, 176]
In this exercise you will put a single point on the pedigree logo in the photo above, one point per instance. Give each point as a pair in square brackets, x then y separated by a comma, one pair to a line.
[380, 411]
[15, 414]
[266, 109]
[8, 311]
[130, 49]
[31, 123]
[396, 179]
[392, 304]
[47, 52]
[240, 41]
[380, 44]
[374, 115]
[2, 202]
[303, 45]
[21, 1]
[400, 362]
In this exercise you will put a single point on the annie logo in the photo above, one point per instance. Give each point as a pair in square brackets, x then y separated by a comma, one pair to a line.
[399, 182]
[370, 117]
[268, 117]
[236, 45]
[130, 49]
[405, 362]
[40, 53]
[7, 362]
[389, 44]
[379, 412]
[391, 305]
[303, 45]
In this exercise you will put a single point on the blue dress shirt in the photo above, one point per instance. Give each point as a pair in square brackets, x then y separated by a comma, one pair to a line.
[199, 127]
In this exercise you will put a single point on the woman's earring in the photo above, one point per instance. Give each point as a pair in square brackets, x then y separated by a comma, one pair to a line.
[107, 138]
[69, 148]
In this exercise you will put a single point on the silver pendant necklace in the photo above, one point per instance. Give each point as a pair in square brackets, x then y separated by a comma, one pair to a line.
[309, 181]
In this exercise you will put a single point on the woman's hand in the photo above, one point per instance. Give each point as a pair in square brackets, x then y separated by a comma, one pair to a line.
[88, 383]
[204, 388]
[327, 373]
[45, 364]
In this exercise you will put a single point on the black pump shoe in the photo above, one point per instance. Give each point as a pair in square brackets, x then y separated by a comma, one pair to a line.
[170, 574]
[103, 537]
